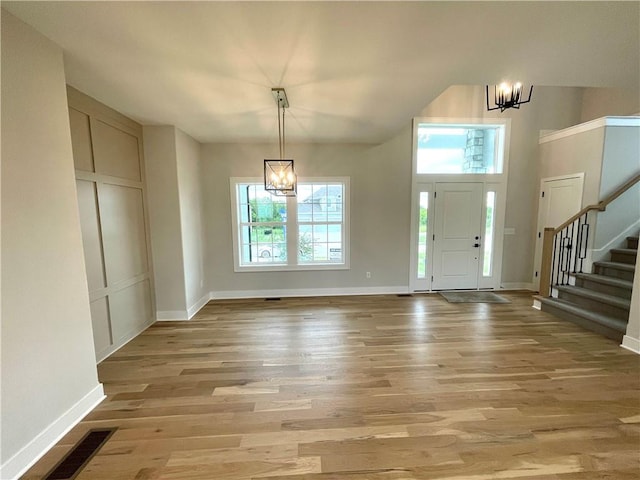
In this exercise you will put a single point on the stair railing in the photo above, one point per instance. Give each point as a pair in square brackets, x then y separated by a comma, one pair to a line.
[564, 248]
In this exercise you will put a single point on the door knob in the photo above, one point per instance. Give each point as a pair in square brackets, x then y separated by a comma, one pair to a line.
[477, 245]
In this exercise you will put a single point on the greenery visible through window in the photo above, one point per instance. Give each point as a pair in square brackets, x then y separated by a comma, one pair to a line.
[262, 225]
[488, 234]
[270, 228]
[422, 234]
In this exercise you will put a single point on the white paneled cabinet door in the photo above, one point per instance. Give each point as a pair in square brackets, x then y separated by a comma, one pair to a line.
[457, 235]
[111, 200]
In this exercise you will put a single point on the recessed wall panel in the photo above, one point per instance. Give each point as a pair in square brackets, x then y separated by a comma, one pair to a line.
[115, 151]
[101, 326]
[130, 310]
[81, 140]
[123, 230]
[90, 225]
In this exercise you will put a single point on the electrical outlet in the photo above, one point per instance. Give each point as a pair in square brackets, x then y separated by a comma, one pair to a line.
[368, 274]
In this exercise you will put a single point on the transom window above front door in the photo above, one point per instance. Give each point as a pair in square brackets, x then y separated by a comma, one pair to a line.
[459, 149]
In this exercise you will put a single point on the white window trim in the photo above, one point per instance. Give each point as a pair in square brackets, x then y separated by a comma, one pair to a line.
[461, 177]
[292, 229]
[495, 182]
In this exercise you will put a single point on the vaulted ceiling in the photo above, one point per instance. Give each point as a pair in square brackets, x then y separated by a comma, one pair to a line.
[353, 71]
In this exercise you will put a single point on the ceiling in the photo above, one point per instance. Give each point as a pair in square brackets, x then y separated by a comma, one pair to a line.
[353, 71]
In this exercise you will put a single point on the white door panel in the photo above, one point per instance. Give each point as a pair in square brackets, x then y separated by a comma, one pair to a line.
[560, 198]
[457, 229]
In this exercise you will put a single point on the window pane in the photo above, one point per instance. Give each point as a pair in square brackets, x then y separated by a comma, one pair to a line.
[335, 252]
[263, 247]
[320, 252]
[262, 230]
[488, 234]
[459, 149]
[320, 233]
[319, 212]
[334, 233]
[422, 234]
[320, 241]
[262, 218]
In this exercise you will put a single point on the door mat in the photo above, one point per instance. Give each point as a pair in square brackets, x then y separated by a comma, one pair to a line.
[473, 297]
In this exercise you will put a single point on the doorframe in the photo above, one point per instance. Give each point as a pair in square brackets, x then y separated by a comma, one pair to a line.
[491, 182]
[537, 246]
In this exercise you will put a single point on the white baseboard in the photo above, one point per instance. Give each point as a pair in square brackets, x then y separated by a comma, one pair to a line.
[518, 286]
[537, 304]
[308, 292]
[42, 443]
[177, 315]
[598, 254]
[195, 308]
[170, 315]
[630, 343]
[122, 341]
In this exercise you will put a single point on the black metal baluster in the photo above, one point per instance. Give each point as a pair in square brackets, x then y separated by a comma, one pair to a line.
[578, 247]
[554, 265]
[585, 241]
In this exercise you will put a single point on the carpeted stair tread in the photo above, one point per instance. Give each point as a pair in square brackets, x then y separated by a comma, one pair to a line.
[620, 266]
[597, 296]
[629, 251]
[600, 318]
[603, 279]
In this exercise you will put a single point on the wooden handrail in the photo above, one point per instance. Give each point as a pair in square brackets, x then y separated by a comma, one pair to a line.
[602, 205]
[549, 234]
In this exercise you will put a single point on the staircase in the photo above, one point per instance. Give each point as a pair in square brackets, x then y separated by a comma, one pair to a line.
[599, 301]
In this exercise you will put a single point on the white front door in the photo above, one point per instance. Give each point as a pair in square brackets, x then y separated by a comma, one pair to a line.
[457, 235]
[560, 198]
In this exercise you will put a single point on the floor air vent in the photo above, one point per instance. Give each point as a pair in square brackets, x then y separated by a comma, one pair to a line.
[405, 295]
[272, 299]
[74, 461]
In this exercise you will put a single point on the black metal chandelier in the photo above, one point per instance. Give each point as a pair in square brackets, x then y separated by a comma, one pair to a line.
[279, 175]
[507, 96]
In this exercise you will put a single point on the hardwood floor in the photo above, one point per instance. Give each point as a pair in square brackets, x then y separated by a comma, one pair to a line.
[376, 387]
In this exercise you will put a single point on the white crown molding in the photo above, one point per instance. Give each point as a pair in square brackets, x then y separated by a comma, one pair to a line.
[591, 125]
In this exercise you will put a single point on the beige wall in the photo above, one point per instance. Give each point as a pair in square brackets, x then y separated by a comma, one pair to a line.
[175, 211]
[164, 220]
[608, 156]
[189, 176]
[49, 377]
[602, 102]
[620, 162]
[380, 195]
[551, 108]
[577, 153]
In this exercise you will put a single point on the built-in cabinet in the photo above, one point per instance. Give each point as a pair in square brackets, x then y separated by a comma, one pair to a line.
[109, 166]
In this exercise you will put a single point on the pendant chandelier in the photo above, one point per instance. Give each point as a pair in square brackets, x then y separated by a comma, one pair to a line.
[507, 96]
[279, 175]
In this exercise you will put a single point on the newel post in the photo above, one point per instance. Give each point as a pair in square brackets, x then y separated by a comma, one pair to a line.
[546, 264]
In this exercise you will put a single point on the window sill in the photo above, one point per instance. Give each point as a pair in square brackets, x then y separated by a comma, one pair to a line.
[291, 268]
